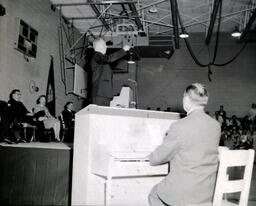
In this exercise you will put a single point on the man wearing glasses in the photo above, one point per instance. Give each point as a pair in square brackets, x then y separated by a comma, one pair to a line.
[16, 114]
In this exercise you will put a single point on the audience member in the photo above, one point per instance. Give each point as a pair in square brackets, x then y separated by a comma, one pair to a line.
[227, 140]
[252, 112]
[222, 113]
[246, 123]
[168, 109]
[243, 142]
[253, 139]
[237, 134]
[235, 123]
[219, 118]
[42, 113]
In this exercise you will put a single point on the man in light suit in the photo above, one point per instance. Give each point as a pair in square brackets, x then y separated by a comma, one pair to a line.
[102, 75]
[191, 147]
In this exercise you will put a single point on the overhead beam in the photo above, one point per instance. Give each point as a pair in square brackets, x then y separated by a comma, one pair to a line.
[157, 23]
[99, 14]
[96, 17]
[93, 2]
[149, 5]
[223, 16]
[212, 21]
[137, 19]
[82, 18]
[174, 8]
[125, 11]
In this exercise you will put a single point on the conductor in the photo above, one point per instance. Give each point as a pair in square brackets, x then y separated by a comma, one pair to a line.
[191, 147]
[102, 75]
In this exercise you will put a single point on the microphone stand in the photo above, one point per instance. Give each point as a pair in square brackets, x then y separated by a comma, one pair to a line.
[135, 93]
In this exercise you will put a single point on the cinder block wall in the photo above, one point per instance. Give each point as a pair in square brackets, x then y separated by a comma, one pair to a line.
[15, 71]
[161, 82]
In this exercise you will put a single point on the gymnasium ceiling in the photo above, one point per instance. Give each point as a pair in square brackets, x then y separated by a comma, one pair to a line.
[154, 17]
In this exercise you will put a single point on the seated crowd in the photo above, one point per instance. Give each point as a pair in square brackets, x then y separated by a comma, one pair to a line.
[14, 117]
[237, 133]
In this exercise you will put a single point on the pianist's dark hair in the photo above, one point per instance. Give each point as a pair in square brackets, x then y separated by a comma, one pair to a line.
[197, 93]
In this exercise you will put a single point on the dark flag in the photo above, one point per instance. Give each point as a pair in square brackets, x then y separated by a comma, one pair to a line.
[50, 90]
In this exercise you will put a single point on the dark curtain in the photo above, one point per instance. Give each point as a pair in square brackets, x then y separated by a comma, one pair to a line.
[50, 90]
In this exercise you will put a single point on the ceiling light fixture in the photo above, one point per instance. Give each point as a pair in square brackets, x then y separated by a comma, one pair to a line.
[236, 33]
[184, 35]
[153, 9]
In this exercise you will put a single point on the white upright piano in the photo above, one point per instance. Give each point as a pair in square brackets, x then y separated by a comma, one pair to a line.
[110, 148]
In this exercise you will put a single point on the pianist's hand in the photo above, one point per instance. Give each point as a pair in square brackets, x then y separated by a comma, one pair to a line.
[146, 158]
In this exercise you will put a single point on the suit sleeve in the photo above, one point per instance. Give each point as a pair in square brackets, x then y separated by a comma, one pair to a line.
[23, 109]
[107, 59]
[167, 150]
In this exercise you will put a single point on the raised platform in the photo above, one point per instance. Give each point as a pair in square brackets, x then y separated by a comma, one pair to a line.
[49, 145]
[35, 173]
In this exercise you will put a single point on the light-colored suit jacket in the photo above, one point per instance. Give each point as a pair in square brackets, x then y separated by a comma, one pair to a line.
[191, 147]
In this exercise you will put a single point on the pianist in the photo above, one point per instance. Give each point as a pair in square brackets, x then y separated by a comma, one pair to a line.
[102, 83]
[191, 147]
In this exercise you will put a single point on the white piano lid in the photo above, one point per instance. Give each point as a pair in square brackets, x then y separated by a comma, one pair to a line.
[115, 111]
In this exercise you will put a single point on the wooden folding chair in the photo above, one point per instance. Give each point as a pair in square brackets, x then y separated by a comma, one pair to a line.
[233, 158]
[227, 159]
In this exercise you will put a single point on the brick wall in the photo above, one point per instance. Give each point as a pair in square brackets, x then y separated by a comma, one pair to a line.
[15, 71]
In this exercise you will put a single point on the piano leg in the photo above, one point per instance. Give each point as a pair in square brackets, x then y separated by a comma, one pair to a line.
[109, 183]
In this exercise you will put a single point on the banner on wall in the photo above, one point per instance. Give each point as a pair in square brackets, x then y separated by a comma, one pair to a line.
[80, 82]
[50, 90]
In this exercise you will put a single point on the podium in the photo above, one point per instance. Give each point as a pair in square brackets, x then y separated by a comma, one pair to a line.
[110, 148]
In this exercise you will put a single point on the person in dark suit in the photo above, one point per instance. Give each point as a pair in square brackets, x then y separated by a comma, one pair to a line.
[68, 122]
[102, 75]
[3, 120]
[16, 114]
[68, 115]
[191, 148]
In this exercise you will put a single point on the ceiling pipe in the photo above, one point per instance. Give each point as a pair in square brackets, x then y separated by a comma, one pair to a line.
[249, 24]
[212, 21]
[125, 11]
[137, 19]
[174, 8]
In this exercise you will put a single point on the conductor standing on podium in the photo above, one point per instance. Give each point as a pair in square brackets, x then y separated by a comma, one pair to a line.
[102, 75]
[191, 147]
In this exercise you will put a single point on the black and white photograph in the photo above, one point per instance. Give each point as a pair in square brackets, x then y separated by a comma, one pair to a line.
[127, 102]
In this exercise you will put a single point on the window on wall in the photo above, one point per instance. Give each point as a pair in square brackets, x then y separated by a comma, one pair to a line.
[27, 41]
